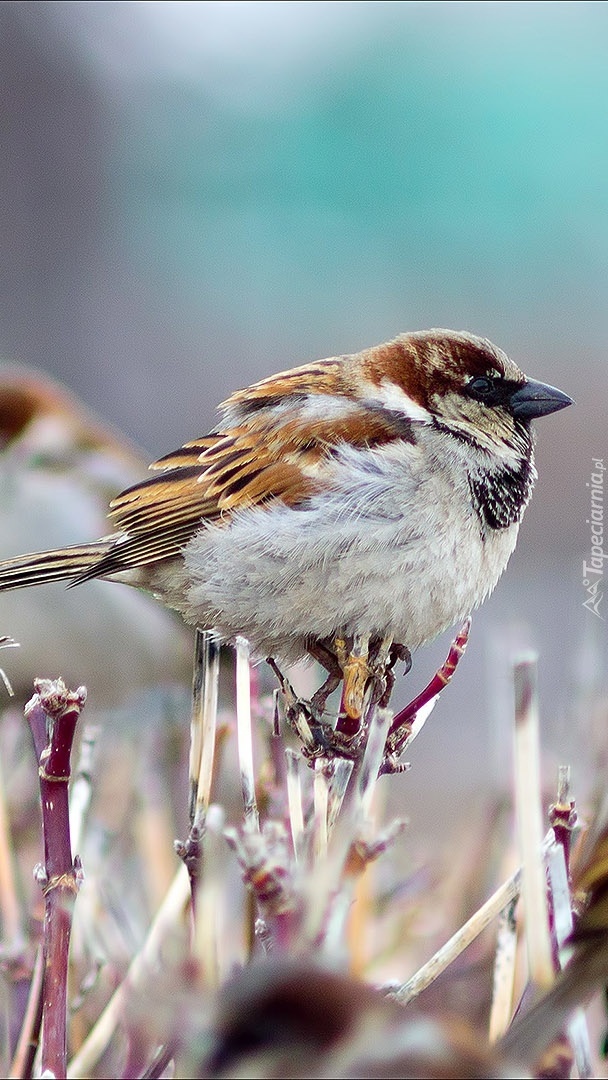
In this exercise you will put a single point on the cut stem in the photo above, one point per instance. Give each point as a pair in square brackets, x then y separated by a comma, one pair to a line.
[245, 734]
[203, 721]
[52, 714]
[528, 798]
[142, 966]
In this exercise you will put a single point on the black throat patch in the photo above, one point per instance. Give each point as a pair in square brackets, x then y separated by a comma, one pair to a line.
[500, 496]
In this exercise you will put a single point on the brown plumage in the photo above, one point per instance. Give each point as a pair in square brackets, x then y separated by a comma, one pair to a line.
[378, 493]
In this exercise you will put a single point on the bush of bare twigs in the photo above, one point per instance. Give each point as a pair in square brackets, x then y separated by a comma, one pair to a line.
[260, 943]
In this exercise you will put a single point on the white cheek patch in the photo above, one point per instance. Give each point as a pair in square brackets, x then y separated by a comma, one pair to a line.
[394, 399]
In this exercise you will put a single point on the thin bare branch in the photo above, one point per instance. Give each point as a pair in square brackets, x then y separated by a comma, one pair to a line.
[321, 802]
[203, 723]
[82, 786]
[56, 710]
[294, 798]
[578, 1031]
[504, 973]
[245, 733]
[165, 925]
[27, 1045]
[12, 930]
[7, 643]
[529, 822]
[460, 940]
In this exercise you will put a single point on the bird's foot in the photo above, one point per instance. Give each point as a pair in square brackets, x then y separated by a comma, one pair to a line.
[303, 717]
[366, 666]
[353, 655]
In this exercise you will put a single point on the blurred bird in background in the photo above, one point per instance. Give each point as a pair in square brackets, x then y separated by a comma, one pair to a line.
[59, 466]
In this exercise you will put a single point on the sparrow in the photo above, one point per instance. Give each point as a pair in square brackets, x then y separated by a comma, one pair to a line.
[338, 510]
[59, 466]
[298, 1018]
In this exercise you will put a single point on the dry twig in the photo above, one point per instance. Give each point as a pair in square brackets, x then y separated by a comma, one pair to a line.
[52, 714]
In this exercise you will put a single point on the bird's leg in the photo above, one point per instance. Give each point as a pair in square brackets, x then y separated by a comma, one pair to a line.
[327, 659]
[367, 665]
[356, 660]
[397, 652]
[300, 716]
[317, 737]
[353, 658]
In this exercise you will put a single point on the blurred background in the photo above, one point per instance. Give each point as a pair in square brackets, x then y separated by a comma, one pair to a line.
[194, 195]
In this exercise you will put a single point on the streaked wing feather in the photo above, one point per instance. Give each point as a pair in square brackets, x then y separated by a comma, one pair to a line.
[212, 477]
[191, 452]
[328, 377]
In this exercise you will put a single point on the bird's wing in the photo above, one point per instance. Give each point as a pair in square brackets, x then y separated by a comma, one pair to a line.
[262, 459]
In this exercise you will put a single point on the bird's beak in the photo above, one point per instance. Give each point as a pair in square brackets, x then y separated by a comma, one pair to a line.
[537, 399]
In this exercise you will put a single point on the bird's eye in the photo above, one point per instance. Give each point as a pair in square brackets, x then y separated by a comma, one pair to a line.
[481, 388]
[481, 385]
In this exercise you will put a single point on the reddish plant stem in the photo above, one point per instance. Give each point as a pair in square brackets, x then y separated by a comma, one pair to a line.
[562, 815]
[407, 716]
[52, 714]
[347, 725]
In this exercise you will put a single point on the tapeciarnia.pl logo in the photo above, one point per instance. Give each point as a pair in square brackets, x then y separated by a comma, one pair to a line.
[593, 569]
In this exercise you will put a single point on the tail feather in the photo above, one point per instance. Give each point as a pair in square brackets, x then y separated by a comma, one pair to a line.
[40, 567]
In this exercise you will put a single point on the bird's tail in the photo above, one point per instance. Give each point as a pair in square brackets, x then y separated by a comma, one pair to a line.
[64, 564]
